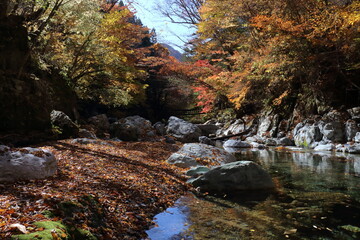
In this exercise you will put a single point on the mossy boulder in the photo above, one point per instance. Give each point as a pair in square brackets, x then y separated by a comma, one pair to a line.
[50, 229]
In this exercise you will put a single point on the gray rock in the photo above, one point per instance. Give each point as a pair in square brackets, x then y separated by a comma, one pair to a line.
[182, 130]
[306, 135]
[84, 133]
[265, 126]
[357, 137]
[255, 138]
[197, 171]
[327, 147]
[351, 128]
[191, 153]
[285, 141]
[183, 161]
[100, 122]
[353, 148]
[354, 113]
[236, 176]
[257, 145]
[336, 116]
[160, 128]
[334, 131]
[83, 140]
[208, 129]
[26, 164]
[270, 142]
[237, 127]
[132, 128]
[63, 121]
[206, 140]
[236, 144]
[169, 140]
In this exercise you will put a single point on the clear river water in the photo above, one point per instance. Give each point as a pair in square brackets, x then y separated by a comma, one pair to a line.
[317, 197]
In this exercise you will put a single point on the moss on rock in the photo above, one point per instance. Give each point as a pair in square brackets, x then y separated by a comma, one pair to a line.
[50, 228]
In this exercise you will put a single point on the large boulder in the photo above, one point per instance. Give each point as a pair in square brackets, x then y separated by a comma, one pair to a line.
[26, 164]
[208, 129]
[235, 176]
[194, 154]
[132, 128]
[182, 130]
[306, 135]
[351, 128]
[268, 126]
[66, 126]
[101, 123]
[236, 127]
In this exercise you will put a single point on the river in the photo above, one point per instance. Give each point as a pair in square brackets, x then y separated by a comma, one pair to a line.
[317, 197]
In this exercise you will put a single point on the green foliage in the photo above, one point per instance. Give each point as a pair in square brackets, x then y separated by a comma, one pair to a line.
[55, 230]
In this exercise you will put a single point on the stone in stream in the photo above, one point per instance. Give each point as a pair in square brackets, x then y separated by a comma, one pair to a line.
[26, 164]
[192, 153]
[235, 176]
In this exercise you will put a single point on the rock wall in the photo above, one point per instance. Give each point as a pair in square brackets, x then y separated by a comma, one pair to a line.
[27, 94]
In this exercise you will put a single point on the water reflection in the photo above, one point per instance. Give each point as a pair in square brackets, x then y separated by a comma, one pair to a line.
[171, 224]
[318, 198]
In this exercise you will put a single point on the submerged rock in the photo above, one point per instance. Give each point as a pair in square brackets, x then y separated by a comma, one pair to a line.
[235, 176]
[192, 153]
[26, 164]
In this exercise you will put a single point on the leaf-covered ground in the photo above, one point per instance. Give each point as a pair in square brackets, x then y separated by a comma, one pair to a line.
[112, 189]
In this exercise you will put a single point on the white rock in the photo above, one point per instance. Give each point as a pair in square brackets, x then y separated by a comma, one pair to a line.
[26, 164]
[190, 154]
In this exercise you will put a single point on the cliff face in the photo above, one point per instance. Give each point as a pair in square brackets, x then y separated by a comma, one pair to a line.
[27, 94]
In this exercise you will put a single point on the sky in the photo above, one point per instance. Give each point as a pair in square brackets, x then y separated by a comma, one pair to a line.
[167, 32]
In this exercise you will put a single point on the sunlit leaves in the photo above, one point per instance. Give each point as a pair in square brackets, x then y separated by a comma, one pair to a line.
[270, 49]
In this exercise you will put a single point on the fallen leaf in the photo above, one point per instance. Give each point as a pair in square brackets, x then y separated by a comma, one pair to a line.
[20, 227]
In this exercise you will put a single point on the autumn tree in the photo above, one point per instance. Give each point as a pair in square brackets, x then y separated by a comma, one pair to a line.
[281, 53]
